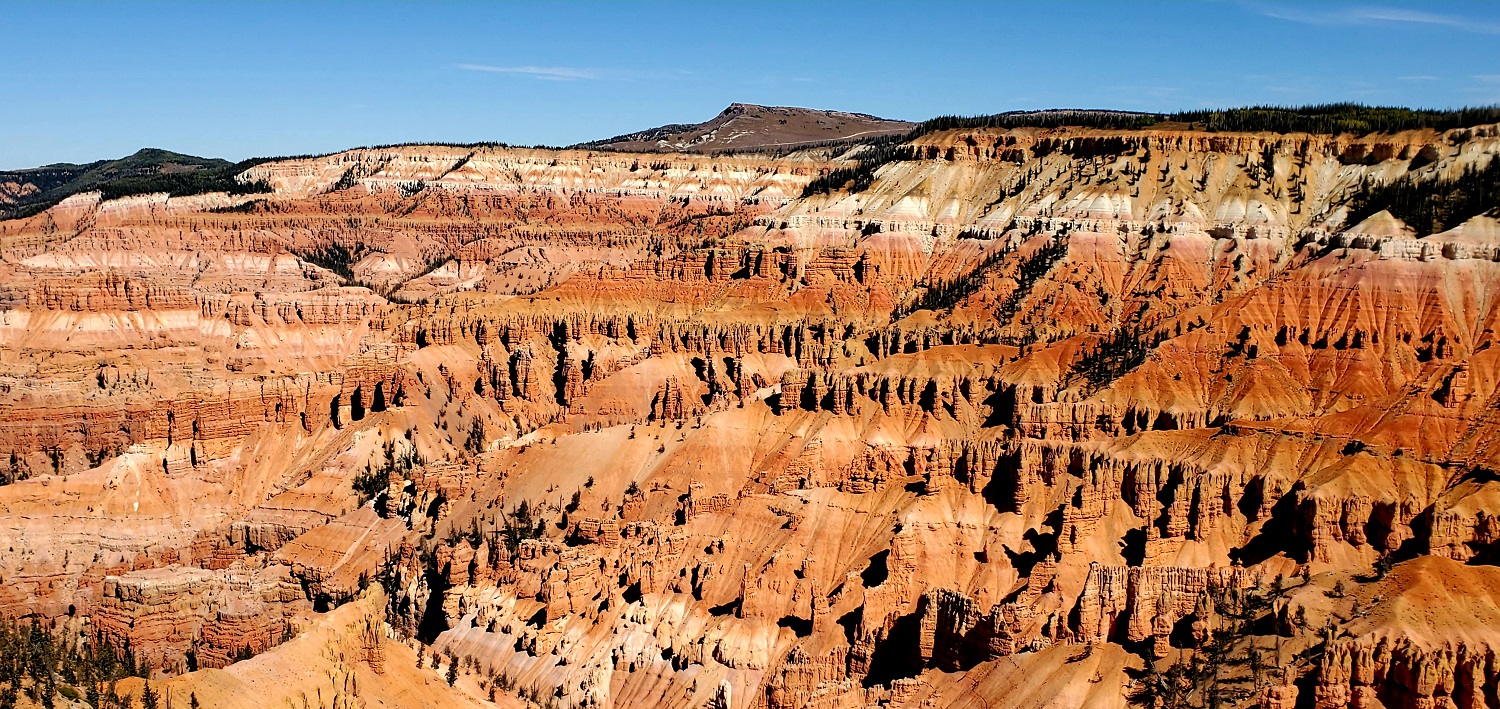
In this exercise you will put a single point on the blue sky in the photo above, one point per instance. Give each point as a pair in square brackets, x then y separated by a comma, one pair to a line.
[86, 81]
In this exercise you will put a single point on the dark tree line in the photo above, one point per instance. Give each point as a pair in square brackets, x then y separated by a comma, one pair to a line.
[181, 184]
[147, 171]
[1030, 271]
[1108, 120]
[335, 257]
[1431, 205]
[1326, 119]
[948, 293]
[1124, 349]
[43, 666]
[1336, 118]
[859, 177]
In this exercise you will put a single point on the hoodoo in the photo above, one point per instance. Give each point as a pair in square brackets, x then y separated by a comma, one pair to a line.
[1043, 410]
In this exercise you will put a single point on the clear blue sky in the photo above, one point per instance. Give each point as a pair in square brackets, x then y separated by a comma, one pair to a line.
[85, 81]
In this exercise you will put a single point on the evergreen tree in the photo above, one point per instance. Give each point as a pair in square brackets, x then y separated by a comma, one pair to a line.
[148, 696]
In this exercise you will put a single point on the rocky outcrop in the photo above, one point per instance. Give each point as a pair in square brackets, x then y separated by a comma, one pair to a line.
[177, 617]
[1137, 603]
[1391, 654]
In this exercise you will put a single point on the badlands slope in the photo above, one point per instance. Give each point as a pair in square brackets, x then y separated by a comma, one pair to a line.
[607, 429]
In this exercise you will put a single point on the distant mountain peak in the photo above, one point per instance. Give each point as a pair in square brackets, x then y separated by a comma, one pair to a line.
[749, 126]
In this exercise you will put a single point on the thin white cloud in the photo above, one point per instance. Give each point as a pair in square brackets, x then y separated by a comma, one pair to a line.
[1366, 15]
[545, 73]
[1419, 77]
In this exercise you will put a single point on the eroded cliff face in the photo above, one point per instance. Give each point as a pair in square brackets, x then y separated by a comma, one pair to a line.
[658, 430]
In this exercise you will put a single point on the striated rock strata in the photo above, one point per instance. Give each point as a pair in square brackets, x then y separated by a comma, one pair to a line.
[1024, 421]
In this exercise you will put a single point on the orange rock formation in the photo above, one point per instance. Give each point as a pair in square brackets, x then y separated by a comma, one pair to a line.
[619, 430]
